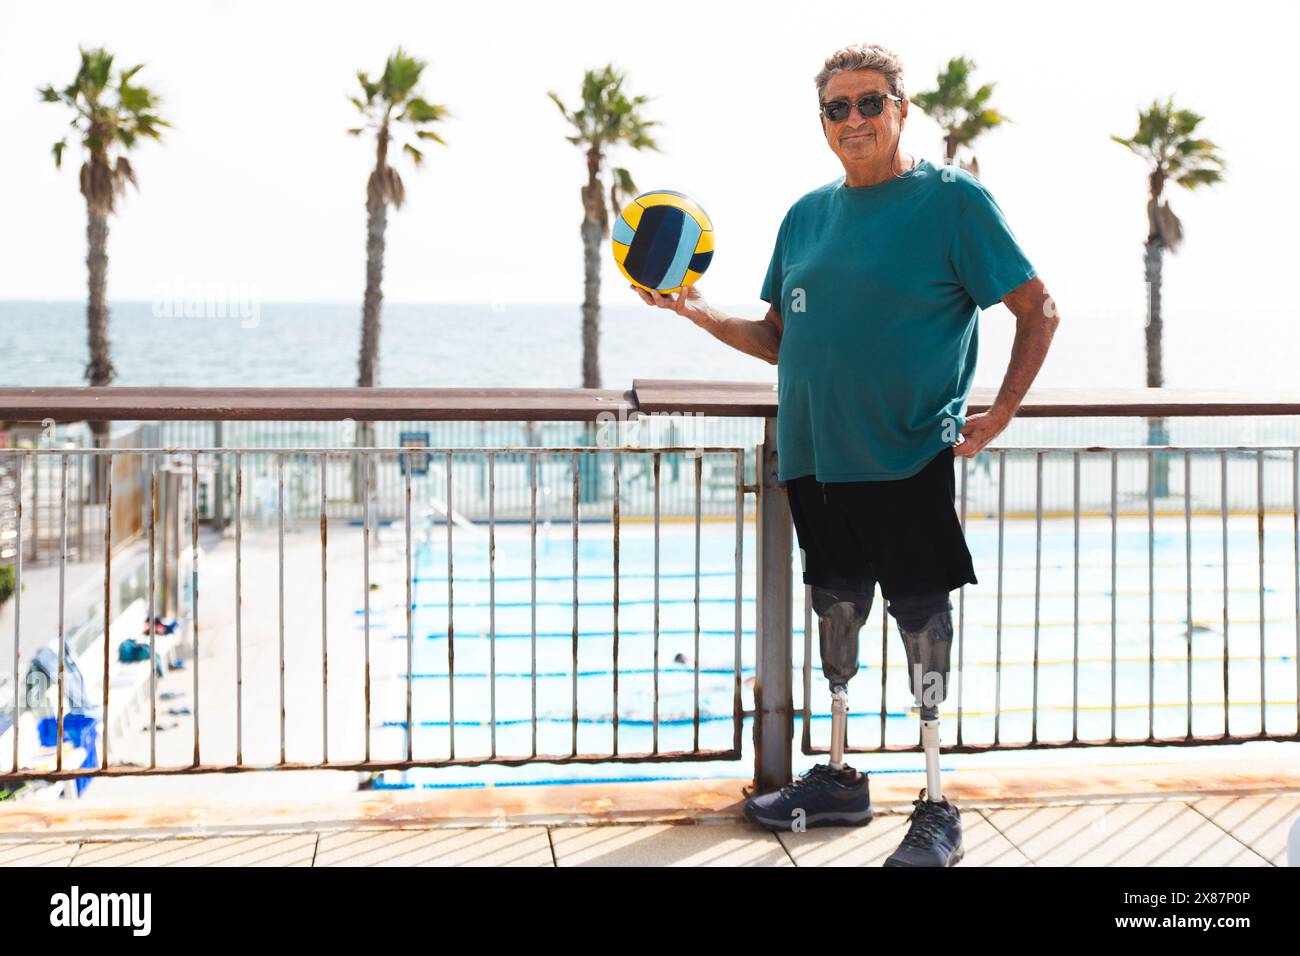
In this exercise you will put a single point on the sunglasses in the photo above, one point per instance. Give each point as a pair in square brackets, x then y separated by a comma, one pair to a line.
[873, 104]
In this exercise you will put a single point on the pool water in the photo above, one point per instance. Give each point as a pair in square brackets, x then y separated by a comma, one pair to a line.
[502, 671]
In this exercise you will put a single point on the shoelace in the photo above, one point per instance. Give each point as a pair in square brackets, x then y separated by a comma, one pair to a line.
[807, 778]
[928, 821]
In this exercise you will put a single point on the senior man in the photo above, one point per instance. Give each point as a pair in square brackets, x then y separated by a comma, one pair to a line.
[875, 287]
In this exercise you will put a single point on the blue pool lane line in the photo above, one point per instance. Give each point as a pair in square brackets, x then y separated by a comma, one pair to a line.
[647, 778]
[474, 635]
[567, 720]
[604, 672]
[417, 605]
[584, 576]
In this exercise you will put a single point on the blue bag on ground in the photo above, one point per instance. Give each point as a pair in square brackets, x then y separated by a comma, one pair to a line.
[80, 730]
[132, 650]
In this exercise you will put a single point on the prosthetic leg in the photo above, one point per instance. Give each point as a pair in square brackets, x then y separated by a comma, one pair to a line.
[834, 794]
[927, 640]
[840, 616]
[934, 837]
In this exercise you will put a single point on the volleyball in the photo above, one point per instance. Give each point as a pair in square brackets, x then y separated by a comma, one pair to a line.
[663, 241]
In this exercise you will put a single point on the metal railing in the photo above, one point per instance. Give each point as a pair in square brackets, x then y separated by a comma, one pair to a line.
[1025, 677]
[172, 476]
[1212, 660]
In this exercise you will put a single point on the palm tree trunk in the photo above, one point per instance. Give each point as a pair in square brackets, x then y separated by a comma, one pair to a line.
[595, 225]
[1157, 431]
[590, 466]
[376, 225]
[591, 304]
[99, 370]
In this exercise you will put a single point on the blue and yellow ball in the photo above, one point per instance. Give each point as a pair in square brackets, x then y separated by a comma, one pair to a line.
[663, 241]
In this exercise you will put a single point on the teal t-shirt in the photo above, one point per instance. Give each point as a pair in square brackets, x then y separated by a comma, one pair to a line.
[879, 290]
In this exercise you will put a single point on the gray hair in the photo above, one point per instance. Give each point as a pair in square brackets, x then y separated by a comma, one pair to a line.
[863, 56]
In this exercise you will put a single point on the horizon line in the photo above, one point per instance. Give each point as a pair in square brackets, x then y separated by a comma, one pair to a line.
[350, 302]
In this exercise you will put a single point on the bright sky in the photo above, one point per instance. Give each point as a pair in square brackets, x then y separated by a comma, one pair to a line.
[258, 186]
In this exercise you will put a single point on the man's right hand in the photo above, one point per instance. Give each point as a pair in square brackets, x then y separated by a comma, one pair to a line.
[687, 302]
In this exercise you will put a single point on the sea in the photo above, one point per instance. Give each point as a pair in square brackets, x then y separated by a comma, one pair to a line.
[307, 345]
[240, 342]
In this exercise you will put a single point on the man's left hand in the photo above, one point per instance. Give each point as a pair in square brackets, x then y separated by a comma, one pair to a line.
[979, 430]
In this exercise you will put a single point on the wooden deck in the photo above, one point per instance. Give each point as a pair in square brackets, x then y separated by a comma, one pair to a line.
[1229, 814]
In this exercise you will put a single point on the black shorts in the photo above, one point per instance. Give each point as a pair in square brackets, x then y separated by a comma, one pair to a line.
[904, 534]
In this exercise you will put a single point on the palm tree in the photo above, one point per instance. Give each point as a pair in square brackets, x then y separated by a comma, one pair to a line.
[110, 117]
[961, 114]
[606, 118]
[390, 105]
[1166, 140]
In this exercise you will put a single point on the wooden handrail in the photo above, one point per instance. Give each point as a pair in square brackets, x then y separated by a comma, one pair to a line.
[311, 404]
[647, 396]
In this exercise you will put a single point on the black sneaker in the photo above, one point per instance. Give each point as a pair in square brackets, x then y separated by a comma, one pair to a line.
[934, 838]
[820, 797]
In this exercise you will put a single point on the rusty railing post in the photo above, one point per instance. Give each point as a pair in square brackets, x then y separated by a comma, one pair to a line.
[773, 685]
[218, 502]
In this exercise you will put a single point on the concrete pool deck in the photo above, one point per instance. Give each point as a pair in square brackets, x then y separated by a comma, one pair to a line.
[1222, 814]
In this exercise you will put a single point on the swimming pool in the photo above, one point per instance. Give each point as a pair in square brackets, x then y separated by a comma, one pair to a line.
[502, 673]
